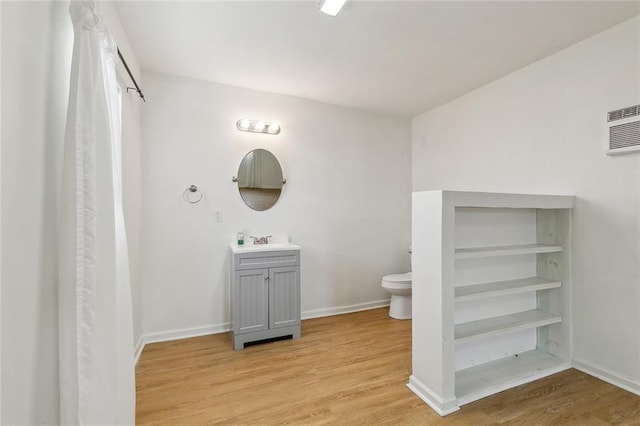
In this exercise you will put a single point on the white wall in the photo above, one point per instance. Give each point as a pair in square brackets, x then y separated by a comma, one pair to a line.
[37, 41]
[346, 201]
[542, 130]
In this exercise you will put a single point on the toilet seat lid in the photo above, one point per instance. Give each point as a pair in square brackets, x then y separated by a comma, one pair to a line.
[398, 278]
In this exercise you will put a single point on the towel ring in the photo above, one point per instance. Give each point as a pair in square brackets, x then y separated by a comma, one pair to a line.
[193, 189]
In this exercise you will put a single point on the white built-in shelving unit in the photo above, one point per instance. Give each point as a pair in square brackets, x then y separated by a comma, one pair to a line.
[491, 293]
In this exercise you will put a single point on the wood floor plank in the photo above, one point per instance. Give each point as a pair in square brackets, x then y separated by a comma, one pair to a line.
[345, 370]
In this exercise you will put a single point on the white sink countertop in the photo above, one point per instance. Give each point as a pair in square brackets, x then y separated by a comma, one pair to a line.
[263, 247]
[279, 243]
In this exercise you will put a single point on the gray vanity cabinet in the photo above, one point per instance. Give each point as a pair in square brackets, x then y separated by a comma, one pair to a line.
[265, 295]
[250, 304]
[284, 297]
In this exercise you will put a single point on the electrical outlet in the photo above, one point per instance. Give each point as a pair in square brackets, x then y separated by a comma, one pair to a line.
[217, 216]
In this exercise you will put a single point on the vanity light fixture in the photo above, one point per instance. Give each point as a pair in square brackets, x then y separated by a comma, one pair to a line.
[245, 125]
[331, 7]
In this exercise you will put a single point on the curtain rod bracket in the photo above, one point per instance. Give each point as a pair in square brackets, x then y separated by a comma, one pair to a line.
[139, 93]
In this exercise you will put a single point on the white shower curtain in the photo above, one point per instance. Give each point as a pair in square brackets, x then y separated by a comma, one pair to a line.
[97, 382]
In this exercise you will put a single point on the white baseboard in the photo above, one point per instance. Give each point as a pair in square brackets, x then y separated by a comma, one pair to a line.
[607, 376]
[185, 333]
[439, 405]
[339, 310]
[138, 350]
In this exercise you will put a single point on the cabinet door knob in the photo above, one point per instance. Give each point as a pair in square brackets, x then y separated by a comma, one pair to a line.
[266, 277]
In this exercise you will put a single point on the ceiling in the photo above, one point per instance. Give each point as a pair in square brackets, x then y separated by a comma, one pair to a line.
[400, 58]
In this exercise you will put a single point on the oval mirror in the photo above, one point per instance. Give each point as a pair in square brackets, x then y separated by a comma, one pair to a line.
[260, 179]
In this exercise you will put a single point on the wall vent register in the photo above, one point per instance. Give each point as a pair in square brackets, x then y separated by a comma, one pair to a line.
[623, 113]
[624, 130]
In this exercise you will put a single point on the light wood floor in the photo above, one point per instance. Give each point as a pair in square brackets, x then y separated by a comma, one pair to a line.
[345, 370]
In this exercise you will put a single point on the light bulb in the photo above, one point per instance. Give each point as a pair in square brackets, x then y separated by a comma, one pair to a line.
[244, 124]
[259, 126]
[274, 127]
[331, 7]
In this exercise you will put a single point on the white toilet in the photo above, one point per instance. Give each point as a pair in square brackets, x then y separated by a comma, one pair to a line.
[399, 285]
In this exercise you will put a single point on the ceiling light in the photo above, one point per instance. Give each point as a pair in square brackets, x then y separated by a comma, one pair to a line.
[331, 7]
[245, 125]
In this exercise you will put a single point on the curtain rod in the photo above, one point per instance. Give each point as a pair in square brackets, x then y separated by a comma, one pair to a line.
[135, 83]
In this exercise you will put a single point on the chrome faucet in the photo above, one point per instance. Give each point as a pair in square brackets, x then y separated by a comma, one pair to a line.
[261, 240]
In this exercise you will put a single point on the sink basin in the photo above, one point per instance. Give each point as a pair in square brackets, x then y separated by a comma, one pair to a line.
[263, 247]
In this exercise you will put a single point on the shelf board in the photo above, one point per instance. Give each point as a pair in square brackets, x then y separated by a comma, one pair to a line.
[501, 288]
[475, 330]
[468, 253]
[486, 379]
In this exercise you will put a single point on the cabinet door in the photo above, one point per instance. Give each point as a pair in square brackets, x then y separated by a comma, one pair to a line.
[250, 299]
[284, 296]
